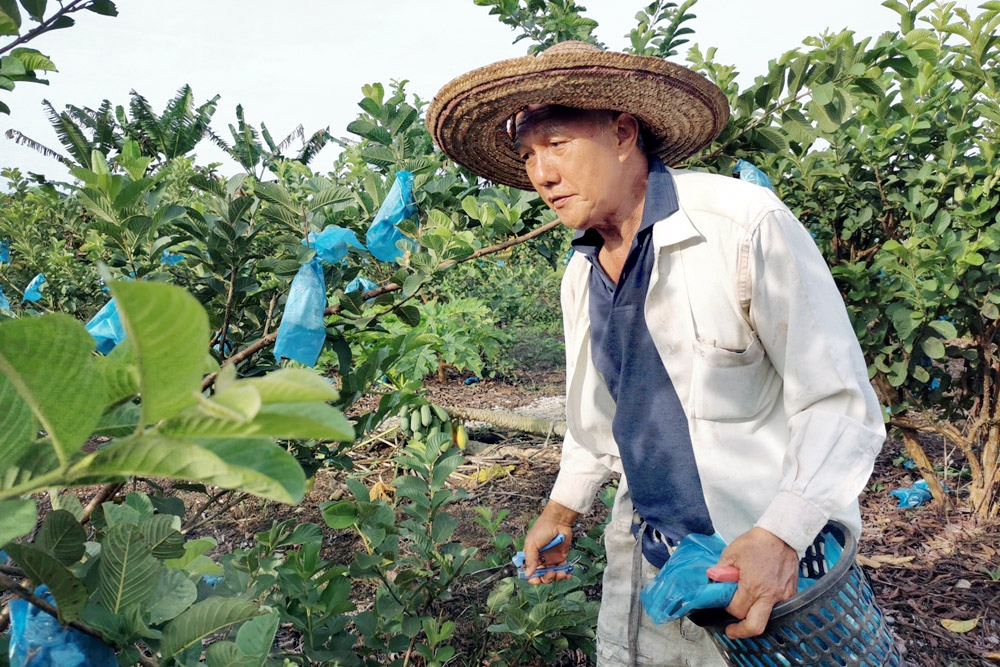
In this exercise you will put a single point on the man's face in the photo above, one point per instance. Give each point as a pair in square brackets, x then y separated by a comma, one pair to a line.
[575, 162]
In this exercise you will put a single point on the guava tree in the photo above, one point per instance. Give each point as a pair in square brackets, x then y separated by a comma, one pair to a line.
[887, 150]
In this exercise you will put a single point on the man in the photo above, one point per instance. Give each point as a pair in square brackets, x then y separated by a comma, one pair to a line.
[710, 358]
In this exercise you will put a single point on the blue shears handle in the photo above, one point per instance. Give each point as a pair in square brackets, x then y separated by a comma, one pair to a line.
[518, 560]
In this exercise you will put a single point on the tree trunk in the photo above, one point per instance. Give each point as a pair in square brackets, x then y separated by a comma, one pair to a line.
[919, 456]
[544, 427]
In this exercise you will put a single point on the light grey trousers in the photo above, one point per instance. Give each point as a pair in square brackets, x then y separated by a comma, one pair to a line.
[677, 644]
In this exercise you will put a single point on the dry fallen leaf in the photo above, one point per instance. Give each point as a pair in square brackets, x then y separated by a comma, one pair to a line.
[878, 560]
[959, 626]
[493, 472]
[381, 491]
[865, 561]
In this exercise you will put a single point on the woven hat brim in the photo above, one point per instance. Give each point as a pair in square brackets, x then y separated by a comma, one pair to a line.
[682, 110]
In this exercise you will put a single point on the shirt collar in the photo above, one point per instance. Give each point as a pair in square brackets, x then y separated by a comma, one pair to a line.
[660, 203]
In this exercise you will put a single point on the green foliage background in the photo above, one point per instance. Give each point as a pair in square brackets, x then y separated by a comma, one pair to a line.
[886, 149]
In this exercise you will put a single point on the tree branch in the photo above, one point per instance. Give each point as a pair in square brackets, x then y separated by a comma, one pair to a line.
[44, 26]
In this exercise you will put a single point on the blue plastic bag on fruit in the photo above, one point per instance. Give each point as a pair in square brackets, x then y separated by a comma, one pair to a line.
[5, 251]
[4, 303]
[360, 284]
[33, 292]
[106, 328]
[302, 331]
[747, 172]
[333, 243]
[399, 205]
[170, 258]
[38, 640]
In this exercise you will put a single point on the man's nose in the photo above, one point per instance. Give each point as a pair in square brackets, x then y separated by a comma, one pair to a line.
[542, 171]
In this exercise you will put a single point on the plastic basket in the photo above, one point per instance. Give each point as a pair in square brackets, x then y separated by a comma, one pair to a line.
[833, 623]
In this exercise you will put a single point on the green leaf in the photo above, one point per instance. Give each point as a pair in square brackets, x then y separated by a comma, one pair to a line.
[35, 9]
[46, 364]
[103, 7]
[121, 421]
[227, 654]
[413, 283]
[902, 65]
[303, 421]
[12, 67]
[444, 468]
[242, 399]
[293, 385]
[823, 93]
[169, 332]
[408, 315]
[34, 60]
[115, 514]
[933, 348]
[771, 140]
[17, 518]
[68, 502]
[62, 536]
[276, 195]
[62, 22]
[10, 17]
[945, 328]
[204, 619]
[338, 515]
[332, 195]
[194, 562]
[142, 505]
[127, 571]
[254, 465]
[174, 593]
[162, 537]
[283, 420]
[256, 636]
[68, 591]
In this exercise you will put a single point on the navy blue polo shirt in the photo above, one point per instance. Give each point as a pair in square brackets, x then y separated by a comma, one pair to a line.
[650, 425]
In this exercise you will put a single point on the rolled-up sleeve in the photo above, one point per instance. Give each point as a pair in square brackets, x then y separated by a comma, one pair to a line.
[835, 421]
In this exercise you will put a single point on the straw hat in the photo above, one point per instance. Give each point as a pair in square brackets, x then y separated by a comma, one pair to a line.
[682, 110]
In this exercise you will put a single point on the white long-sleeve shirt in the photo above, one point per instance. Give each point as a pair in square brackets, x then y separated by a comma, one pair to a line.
[756, 339]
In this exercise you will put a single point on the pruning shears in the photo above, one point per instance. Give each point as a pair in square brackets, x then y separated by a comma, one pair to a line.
[516, 566]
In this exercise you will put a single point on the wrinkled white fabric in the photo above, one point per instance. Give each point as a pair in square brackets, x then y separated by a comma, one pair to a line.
[755, 337]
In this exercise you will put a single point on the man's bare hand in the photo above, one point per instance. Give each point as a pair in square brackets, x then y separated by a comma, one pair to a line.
[555, 519]
[769, 571]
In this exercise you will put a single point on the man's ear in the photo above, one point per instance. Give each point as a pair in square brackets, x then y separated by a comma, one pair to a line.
[627, 128]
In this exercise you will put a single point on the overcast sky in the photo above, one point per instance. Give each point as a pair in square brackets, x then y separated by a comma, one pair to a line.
[304, 61]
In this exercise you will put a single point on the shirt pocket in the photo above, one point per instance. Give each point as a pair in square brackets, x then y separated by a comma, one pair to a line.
[731, 385]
